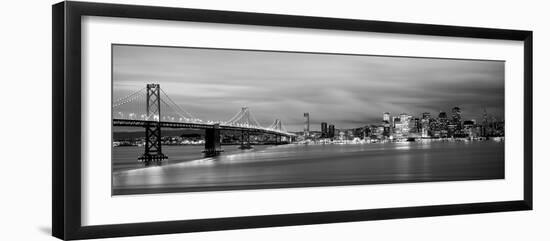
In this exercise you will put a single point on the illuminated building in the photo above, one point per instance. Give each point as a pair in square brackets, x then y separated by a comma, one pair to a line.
[456, 117]
[403, 125]
[414, 125]
[386, 117]
[426, 115]
[425, 131]
[469, 128]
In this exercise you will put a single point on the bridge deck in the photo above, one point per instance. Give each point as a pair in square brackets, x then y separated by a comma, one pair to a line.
[185, 125]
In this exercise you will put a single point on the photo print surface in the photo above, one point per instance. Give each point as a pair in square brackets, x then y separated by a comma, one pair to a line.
[201, 119]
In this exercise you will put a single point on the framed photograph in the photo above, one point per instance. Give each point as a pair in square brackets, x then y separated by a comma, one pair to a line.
[170, 120]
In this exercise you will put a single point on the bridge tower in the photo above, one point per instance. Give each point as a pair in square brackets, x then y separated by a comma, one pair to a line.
[306, 124]
[153, 145]
[278, 126]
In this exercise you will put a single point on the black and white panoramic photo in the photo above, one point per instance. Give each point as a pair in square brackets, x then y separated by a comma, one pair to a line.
[203, 119]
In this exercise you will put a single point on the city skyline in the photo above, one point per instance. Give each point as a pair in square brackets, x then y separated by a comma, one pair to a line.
[317, 124]
[345, 90]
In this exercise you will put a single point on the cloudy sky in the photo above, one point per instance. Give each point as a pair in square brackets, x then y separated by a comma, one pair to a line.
[345, 90]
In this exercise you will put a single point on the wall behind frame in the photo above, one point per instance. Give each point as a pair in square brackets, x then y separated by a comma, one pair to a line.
[26, 79]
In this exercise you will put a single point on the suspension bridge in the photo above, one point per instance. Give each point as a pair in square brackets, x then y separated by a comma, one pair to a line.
[142, 108]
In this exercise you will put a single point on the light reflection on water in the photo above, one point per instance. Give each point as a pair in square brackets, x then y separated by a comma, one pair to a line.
[267, 166]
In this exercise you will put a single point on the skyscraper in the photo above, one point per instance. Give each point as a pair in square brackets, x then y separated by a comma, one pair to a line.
[324, 130]
[331, 131]
[387, 129]
[306, 124]
[405, 123]
[456, 116]
[485, 124]
[416, 125]
[425, 124]
[386, 117]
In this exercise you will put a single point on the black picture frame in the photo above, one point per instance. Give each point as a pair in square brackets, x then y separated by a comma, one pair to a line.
[66, 127]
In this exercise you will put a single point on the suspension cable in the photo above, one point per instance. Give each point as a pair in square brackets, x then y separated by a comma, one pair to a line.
[126, 101]
[129, 96]
[176, 105]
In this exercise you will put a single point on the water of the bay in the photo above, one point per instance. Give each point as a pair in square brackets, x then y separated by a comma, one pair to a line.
[299, 165]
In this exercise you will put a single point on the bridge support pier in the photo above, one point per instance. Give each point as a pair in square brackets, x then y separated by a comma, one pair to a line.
[153, 145]
[245, 140]
[212, 141]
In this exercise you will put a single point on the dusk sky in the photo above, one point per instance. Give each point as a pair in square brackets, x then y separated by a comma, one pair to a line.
[345, 90]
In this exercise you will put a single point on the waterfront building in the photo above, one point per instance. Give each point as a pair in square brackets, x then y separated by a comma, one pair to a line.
[341, 134]
[469, 128]
[366, 132]
[426, 116]
[315, 135]
[498, 128]
[376, 132]
[452, 129]
[414, 125]
[359, 133]
[349, 135]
